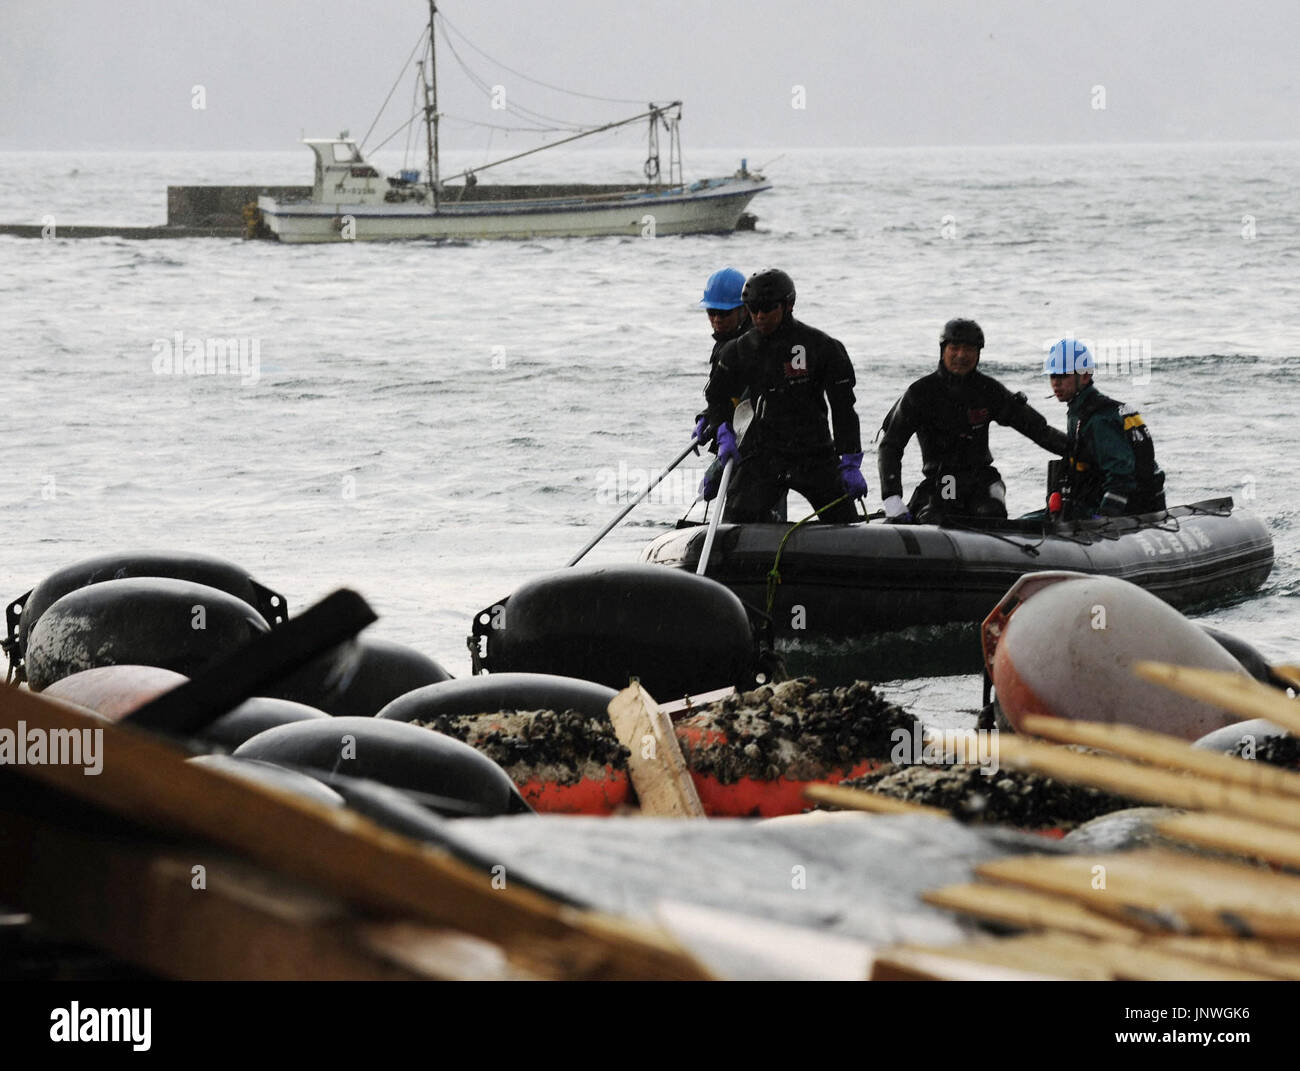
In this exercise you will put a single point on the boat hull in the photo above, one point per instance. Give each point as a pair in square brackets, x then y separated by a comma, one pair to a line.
[712, 206]
[850, 580]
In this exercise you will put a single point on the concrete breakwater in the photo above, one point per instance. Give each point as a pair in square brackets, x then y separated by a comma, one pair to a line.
[192, 212]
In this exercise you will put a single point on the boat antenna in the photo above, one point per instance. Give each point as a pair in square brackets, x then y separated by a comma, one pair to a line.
[431, 106]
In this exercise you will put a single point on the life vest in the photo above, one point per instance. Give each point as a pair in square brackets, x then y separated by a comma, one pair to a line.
[1087, 477]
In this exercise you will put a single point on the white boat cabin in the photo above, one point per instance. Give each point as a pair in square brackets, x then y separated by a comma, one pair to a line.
[344, 177]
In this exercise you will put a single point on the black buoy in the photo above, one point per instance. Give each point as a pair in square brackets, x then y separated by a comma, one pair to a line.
[254, 716]
[361, 678]
[1120, 831]
[678, 633]
[1257, 739]
[394, 754]
[1250, 658]
[197, 568]
[500, 691]
[175, 624]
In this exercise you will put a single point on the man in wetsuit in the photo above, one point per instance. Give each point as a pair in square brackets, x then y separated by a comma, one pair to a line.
[791, 373]
[949, 411]
[728, 319]
[1110, 460]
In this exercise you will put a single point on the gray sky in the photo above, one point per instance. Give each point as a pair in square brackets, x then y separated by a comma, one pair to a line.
[79, 74]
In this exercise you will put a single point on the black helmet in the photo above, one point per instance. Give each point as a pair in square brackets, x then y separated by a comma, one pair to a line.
[770, 284]
[967, 331]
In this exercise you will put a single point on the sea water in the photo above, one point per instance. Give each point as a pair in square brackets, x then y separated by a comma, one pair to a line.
[435, 423]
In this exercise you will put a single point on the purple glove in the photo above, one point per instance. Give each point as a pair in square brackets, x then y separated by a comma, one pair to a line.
[727, 450]
[701, 434]
[851, 478]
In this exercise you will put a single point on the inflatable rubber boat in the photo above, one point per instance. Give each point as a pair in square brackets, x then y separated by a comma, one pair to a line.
[848, 580]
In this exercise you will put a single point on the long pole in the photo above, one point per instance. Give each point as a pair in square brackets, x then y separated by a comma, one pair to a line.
[717, 516]
[431, 107]
[632, 505]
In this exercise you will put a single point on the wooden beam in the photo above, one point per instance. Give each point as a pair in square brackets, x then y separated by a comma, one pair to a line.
[1166, 751]
[147, 780]
[1238, 836]
[856, 799]
[142, 900]
[1146, 782]
[655, 764]
[1067, 956]
[1027, 909]
[1164, 891]
[1231, 691]
[1037, 911]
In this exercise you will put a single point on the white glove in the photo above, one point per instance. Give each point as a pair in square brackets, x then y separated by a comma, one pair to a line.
[894, 506]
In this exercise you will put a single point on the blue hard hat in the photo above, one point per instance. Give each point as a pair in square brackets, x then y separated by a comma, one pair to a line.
[1068, 357]
[722, 291]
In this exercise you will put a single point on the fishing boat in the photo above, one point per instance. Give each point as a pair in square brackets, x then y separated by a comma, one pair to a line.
[351, 199]
[852, 580]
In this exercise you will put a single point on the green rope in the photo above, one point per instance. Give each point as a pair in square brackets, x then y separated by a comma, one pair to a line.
[774, 575]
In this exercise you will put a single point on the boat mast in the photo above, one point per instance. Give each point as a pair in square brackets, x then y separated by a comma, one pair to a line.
[431, 108]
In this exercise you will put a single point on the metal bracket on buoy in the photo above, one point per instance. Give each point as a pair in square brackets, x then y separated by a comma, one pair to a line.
[11, 644]
[477, 640]
[270, 604]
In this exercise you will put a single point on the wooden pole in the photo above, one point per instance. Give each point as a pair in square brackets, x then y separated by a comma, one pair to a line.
[1168, 751]
[856, 799]
[1231, 691]
[1145, 782]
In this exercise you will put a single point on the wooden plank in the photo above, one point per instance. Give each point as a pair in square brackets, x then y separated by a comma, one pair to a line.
[1277, 961]
[1165, 892]
[1031, 910]
[934, 965]
[1145, 782]
[1028, 910]
[147, 780]
[1231, 691]
[655, 766]
[137, 898]
[1165, 751]
[264, 660]
[856, 799]
[1237, 835]
[688, 705]
[1086, 959]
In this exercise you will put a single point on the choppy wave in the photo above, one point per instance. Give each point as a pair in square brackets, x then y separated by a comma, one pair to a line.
[431, 419]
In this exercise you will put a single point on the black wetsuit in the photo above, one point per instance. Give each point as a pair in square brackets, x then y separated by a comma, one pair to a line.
[950, 416]
[791, 376]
